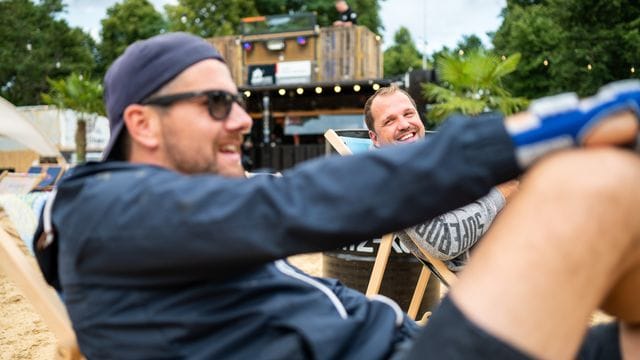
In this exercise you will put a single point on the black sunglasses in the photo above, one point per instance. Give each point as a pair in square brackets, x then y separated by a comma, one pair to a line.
[219, 102]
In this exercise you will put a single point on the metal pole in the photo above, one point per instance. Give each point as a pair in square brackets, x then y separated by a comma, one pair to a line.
[266, 114]
[424, 35]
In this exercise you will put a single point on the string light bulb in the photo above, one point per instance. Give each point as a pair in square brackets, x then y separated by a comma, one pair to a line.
[282, 92]
[546, 62]
[337, 88]
[589, 67]
[300, 91]
[356, 87]
[376, 87]
[247, 93]
[318, 90]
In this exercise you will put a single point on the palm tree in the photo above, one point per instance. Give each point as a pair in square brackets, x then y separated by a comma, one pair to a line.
[472, 84]
[81, 94]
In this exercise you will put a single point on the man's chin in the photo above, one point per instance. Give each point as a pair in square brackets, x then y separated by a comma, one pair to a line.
[230, 170]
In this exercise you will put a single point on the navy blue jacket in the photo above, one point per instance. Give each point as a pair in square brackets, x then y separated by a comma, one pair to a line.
[154, 264]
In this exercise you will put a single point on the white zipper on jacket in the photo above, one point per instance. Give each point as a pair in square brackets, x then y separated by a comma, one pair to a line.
[289, 271]
[46, 220]
[394, 305]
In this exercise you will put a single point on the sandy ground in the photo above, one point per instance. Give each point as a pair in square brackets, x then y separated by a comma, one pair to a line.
[23, 335]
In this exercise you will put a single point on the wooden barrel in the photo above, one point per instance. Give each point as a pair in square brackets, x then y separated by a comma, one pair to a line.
[352, 265]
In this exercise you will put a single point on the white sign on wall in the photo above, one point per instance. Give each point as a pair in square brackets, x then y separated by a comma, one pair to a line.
[293, 72]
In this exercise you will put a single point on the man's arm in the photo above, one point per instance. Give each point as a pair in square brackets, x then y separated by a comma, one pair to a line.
[208, 223]
[452, 234]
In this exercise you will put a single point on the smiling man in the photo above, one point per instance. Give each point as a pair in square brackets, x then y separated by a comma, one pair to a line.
[392, 118]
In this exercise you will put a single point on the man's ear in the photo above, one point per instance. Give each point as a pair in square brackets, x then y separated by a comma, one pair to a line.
[374, 138]
[143, 125]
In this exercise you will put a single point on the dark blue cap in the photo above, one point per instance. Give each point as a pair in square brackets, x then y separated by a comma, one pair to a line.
[143, 69]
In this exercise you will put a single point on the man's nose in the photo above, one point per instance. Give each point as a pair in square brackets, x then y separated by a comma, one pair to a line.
[239, 119]
[403, 123]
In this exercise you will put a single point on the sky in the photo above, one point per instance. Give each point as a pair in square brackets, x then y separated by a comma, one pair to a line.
[439, 22]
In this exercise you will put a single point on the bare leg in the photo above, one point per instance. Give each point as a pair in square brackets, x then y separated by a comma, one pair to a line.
[569, 240]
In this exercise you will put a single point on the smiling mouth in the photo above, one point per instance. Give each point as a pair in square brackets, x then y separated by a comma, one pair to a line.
[407, 136]
[230, 149]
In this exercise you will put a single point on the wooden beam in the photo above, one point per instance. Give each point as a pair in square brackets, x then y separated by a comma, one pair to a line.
[309, 113]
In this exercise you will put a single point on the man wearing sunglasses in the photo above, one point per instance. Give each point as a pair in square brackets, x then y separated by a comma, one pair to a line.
[159, 257]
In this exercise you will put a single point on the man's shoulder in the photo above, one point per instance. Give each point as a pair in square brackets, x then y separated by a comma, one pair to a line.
[102, 170]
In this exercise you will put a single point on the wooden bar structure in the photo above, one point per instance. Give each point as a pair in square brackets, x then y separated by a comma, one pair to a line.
[335, 53]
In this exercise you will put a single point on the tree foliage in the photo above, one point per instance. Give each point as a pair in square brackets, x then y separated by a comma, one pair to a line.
[368, 14]
[472, 84]
[367, 10]
[81, 94]
[402, 55]
[222, 17]
[209, 18]
[570, 44]
[36, 45]
[467, 44]
[126, 22]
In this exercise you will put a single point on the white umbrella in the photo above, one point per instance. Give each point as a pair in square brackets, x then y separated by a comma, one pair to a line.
[16, 127]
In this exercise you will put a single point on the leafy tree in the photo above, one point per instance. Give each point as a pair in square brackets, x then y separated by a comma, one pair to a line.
[367, 10]
[472, 84]
[222, 17]
[368, 14]
[467, 44]
[209, 18]
[36, 45]
[530, 31]
[569, 44]
[470, 43]
[402, 55]
[125, 23]
[325, 10]
[82, 95]
[604, 41]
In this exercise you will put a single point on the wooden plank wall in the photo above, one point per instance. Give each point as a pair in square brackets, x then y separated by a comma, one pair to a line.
[349, 53]
[230, 47]
[341, 53]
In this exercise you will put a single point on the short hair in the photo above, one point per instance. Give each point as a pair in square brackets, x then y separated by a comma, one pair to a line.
[383, 91]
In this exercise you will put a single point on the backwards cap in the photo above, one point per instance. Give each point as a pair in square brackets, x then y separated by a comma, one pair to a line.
[143, 69]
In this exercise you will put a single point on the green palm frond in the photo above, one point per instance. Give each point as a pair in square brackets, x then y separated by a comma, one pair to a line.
[472, 84]
[75, 92]
[437, 93]
[510, 105]
[506, 67]
[439, 112]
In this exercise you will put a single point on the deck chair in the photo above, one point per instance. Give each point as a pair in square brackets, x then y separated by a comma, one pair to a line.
[347, 142]
[24, 274]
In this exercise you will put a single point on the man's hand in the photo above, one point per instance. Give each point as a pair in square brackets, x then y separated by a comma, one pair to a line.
[611, 117]
[617, 129]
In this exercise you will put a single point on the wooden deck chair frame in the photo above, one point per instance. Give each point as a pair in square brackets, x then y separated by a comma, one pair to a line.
[432, 266]
[15, 264]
